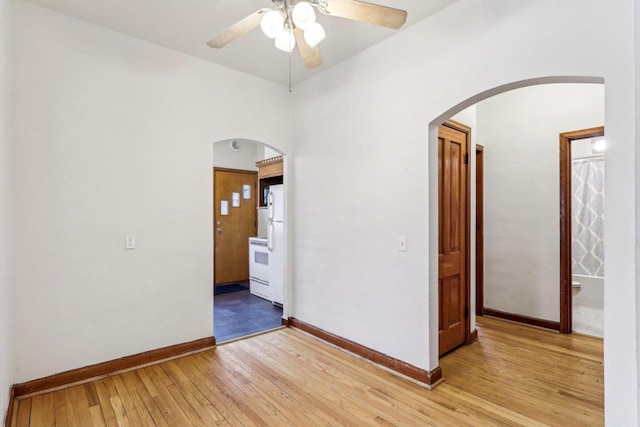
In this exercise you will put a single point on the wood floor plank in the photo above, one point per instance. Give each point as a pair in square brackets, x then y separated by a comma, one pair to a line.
[513, 376]
[347, 398]
[134, 385]
[236, 411]
[96, 416]
[148, 383]
[243, 389]
[36, 418]
[303, 392]
[43, 410]
[134, 409]
[174, 393]
[62, 418]
[77, 406]
[191, 394]
[122, 419]
[320, 393]
[49, 409]
[281, 400]
[105, 406]
[24, 413]
[432, 411]
[171, 411]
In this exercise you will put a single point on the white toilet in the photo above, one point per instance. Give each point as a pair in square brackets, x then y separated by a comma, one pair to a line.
[575, 287]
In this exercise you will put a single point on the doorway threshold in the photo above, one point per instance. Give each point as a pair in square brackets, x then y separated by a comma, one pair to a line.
[250, 336]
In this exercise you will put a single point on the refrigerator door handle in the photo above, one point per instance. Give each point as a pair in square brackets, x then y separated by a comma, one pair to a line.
[270, 236]
[270, 198]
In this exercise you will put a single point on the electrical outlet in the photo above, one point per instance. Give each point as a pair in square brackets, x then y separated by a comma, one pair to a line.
[402, 244]
[130, 242]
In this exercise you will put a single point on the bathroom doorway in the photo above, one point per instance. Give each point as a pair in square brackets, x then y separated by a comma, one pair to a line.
[582, 231]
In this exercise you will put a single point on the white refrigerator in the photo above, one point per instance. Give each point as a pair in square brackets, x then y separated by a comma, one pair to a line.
[275, 242]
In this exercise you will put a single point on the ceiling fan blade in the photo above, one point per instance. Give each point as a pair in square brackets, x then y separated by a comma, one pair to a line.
[236, 30]
[310, 55]
[367, 12]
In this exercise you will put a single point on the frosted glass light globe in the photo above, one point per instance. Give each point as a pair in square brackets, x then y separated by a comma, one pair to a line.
[303, 15]
[271, 23]
[285, 40]
[314, 34]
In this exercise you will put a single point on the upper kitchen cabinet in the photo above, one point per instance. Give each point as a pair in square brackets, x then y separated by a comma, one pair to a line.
[270, 172]
[270, 168]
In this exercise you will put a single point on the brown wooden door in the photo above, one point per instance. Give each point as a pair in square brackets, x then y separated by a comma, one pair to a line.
[232, 231]
[452, 259]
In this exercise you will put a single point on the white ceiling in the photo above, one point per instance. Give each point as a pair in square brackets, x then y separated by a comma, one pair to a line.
[186, 25]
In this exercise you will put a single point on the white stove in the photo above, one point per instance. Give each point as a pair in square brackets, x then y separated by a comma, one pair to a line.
[259, 268]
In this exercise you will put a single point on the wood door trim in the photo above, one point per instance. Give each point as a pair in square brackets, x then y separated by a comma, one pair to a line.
[9, 416]
[470, 337]
[518, 318]
[248, 172]
[430, 378]
[479, 230]
[566, 320]
[112, 366]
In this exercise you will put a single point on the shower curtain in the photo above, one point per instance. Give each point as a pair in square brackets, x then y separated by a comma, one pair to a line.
[587, 189]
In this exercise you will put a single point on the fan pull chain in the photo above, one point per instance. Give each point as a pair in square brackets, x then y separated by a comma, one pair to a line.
[289, 22]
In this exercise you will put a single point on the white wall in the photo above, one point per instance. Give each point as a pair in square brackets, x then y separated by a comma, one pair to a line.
[6, 343]
[582, 148]
[520, 131]
[250, 152]
[114, 136]
[363, 144]
[244, 159]
[269, 153]
[467, 117]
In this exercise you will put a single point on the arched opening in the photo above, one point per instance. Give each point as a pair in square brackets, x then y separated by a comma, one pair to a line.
[249, 238]
[544, 306]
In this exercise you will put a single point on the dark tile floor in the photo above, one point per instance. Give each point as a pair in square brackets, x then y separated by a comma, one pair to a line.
[238, 314]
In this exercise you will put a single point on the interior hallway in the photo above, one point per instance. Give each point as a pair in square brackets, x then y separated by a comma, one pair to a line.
[514, 375]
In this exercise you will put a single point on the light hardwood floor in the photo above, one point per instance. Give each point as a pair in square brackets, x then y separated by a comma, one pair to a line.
[514, 375]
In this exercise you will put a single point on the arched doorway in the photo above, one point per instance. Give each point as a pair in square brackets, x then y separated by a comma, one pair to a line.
[249, 262]
[433, 202]
[523, 215]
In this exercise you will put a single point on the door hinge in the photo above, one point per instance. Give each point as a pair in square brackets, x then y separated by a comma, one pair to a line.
[466, 159]
[466, 312]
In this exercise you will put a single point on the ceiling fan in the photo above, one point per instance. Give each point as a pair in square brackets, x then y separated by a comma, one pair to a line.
[293, 22]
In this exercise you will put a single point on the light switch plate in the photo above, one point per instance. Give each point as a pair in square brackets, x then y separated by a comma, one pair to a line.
[130, 242]
[402, 244]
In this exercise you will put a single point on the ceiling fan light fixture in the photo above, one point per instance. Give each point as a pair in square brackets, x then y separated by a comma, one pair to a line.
[285, 40]
[272, 22]
[314, 34]
[293, 24]
[303, 15]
